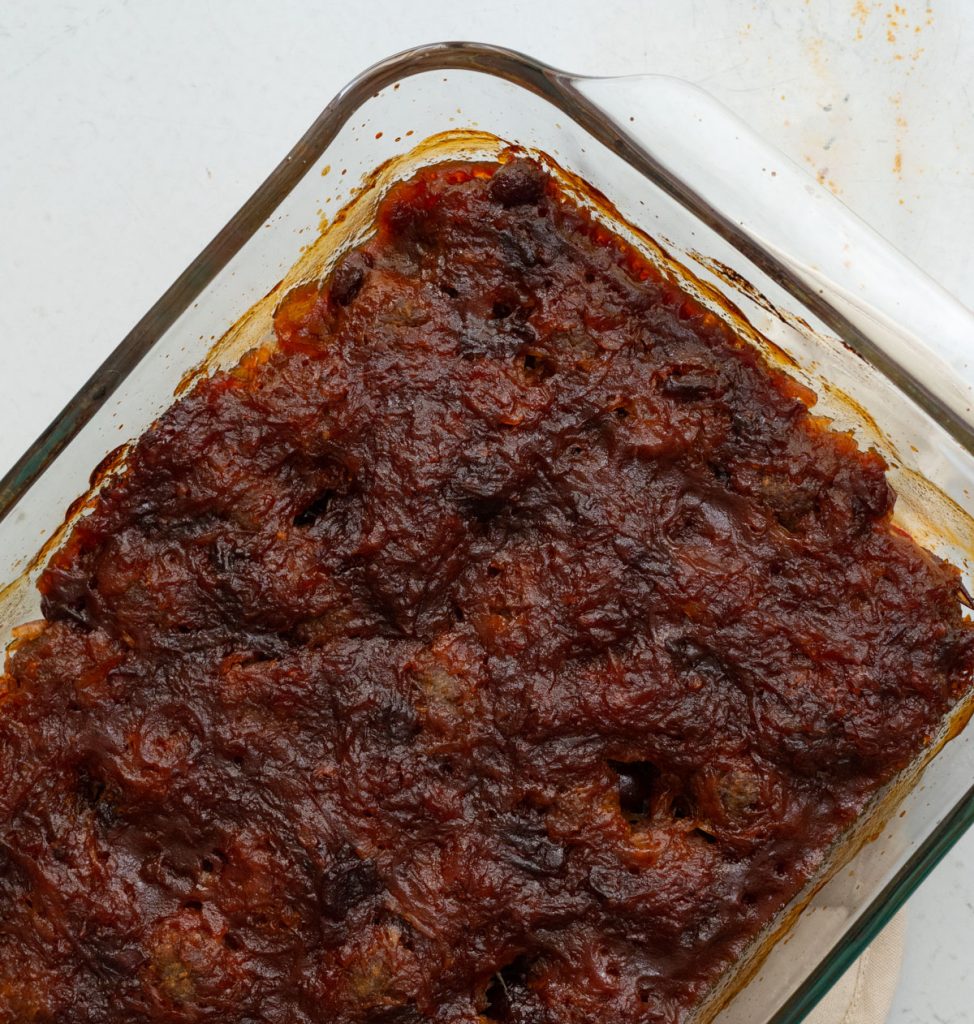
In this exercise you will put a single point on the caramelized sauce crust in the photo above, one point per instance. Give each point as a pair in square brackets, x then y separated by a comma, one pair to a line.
[509, 643]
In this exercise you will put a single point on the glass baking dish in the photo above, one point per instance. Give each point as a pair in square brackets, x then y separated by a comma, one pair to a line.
[739, 225]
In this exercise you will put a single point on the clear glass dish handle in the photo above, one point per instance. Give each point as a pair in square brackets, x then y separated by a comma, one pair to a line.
[878, 301]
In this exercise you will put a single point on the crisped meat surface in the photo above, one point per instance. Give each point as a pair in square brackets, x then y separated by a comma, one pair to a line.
[508, 643]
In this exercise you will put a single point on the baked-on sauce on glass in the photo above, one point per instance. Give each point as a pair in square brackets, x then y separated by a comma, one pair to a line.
[509, 643]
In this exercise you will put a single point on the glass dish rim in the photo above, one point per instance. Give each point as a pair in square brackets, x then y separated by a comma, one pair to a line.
[557, 87]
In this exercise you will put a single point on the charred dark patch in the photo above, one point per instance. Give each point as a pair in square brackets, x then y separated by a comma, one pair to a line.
[348, 277]
[518, 183]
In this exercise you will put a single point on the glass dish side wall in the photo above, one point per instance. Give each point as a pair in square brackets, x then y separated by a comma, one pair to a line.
[388, 124]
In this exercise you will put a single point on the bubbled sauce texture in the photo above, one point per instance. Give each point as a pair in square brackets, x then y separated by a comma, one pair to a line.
[509, 643]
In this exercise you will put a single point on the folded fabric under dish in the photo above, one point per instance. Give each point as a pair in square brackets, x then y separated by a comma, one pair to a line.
[864, 994]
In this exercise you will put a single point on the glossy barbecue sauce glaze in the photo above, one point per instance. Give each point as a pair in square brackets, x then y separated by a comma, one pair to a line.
[508, 644]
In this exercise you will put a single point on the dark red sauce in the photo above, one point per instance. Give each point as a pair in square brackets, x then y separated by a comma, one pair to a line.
[509, 644]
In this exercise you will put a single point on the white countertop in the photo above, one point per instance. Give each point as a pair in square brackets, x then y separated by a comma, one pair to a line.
[131, 131]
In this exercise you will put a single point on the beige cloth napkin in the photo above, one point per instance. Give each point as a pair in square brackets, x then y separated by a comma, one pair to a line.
[864, 994]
